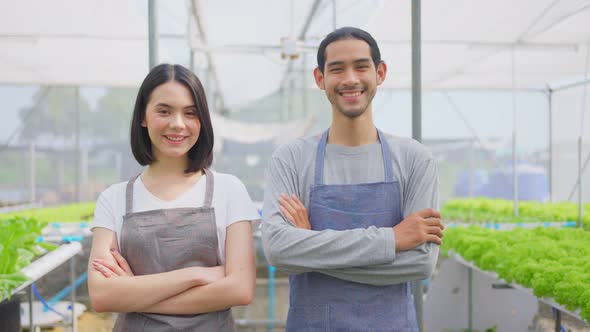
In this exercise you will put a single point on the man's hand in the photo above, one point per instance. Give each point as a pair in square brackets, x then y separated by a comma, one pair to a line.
[294, 211]
[418, 228]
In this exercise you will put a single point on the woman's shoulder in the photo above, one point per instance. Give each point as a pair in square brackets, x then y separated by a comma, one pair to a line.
[226, 180]
[114, 191]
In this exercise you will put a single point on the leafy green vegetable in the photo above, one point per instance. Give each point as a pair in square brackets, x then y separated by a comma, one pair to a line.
[554, 262]
[65, 213]
[18, 247]
[501, 211]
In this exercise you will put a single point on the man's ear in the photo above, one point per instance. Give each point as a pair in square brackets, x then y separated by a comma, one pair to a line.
[319, 78]
[381, 72]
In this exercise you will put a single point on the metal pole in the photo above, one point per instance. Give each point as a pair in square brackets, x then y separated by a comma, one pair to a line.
[77, 140]
[153, 32]
[416, 72]
[32, 174]
[417, 125]
[83, 173]
[514, 163]
[550, 166]
[73, 293]
[557, 320]
[581, 142]
[304, 85]
[31, 327]
[334, 25]
[471, 167]
[470, 299]
[580, 198]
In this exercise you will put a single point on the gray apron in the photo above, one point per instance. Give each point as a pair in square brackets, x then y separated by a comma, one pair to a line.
[322, 303]
[164, 240]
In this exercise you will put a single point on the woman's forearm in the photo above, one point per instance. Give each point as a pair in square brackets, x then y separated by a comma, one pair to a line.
[225, 293]
[130, 293]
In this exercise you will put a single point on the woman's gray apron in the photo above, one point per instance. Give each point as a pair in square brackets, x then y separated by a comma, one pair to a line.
[322, 303]
[164, 240]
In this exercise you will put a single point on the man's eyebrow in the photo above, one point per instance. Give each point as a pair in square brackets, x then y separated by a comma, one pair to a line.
[336, 63]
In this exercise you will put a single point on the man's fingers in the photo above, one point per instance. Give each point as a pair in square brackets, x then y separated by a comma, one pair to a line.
[287, 214]
[293, 204]
[297, 201]
[434, 239]
[287, 203]
[434, 230]
[435, 222]
[428, 213]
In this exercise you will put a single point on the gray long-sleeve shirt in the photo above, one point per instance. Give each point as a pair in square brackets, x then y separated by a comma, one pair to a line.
[360, 255]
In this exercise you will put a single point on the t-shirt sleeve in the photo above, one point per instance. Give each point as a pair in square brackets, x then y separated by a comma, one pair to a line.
[239, 206]
[104, 212]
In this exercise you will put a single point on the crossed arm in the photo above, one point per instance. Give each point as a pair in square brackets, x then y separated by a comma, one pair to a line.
[114, 288]
[376, 256]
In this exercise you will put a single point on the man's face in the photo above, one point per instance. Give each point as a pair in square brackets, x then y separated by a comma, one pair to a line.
[350, 78]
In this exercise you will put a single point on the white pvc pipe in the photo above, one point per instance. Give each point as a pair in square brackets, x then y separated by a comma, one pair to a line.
[51, 260]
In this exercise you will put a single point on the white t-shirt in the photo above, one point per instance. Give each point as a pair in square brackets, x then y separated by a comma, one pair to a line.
[230, 200]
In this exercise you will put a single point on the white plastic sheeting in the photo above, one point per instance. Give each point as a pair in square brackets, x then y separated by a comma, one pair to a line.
[67, 42]
[466, 44]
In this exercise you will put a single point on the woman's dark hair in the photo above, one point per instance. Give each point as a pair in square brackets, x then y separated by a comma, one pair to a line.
[200, 156]
[348, 33]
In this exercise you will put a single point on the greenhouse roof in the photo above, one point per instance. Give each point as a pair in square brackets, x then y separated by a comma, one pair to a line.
[501, 44]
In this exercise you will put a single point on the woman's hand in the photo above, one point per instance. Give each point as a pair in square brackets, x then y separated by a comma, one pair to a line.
[294, 211]
[108, 270]
[202, 275]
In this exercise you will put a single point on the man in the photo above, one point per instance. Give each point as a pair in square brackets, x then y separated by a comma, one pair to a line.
[351, 214]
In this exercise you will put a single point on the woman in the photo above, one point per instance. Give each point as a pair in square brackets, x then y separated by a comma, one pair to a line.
[172, 248]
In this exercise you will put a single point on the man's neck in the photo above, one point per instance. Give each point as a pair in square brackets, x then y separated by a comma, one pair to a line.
[352, 131]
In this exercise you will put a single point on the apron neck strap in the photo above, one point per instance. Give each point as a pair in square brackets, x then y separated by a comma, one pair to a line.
[209, 189]
[129, 191]
[321, 152]
[387, 164]
[129, 194]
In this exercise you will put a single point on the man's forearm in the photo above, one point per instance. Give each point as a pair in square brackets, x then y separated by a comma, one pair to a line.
[299, 250]
[415, 264]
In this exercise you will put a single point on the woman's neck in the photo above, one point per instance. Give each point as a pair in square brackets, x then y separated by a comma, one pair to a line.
[167, 169]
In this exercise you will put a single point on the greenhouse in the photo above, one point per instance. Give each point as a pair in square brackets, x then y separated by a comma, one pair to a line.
[201, 165]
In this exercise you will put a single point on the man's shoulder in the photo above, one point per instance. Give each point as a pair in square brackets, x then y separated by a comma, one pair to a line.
[407, 147]
[297, 148]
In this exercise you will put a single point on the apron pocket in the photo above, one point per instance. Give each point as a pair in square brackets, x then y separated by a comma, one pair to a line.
[309, 318]
[374, 317]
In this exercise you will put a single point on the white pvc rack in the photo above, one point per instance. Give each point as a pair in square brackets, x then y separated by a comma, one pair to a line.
[45, 264]
[558, 307]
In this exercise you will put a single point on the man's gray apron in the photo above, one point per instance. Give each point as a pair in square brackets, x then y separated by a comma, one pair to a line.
[164, 240]
[322, 303]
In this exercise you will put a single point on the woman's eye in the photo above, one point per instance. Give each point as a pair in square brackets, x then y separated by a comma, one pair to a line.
[162, 111]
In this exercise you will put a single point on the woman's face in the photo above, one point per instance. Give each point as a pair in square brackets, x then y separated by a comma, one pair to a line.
[171, 121]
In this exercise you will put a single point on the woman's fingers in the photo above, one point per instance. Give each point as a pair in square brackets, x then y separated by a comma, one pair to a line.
[122, 262]
[115, 269]
[102, 269]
